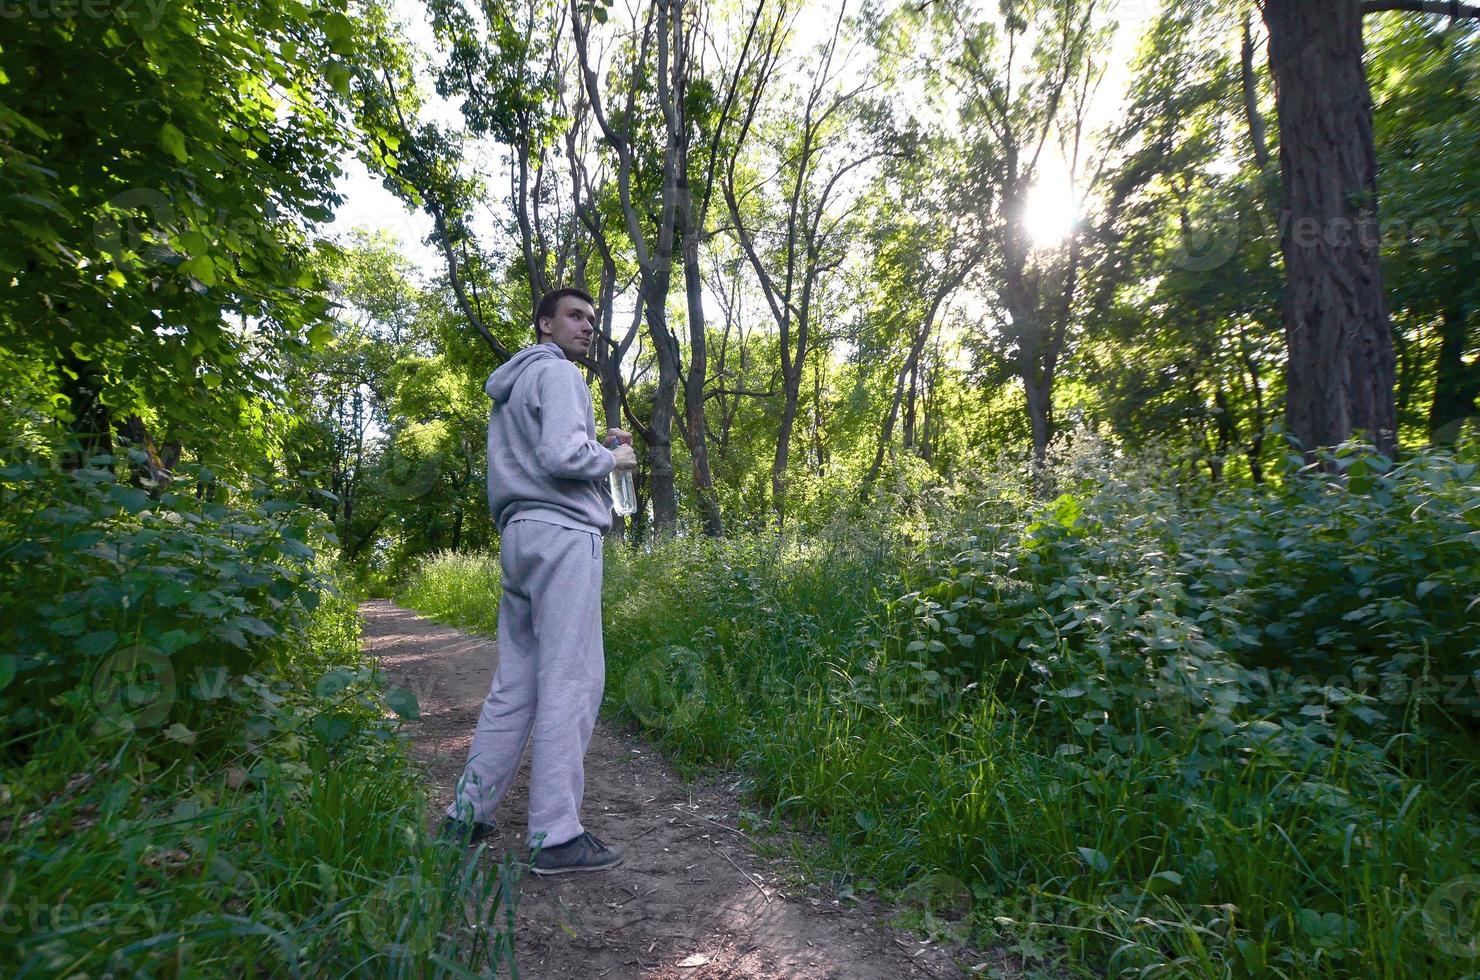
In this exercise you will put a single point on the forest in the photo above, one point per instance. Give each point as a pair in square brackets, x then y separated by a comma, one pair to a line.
[1058, 426]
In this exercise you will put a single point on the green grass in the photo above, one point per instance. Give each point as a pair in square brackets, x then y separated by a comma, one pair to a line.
[457, 588]
[1096, 773]
[299, 851]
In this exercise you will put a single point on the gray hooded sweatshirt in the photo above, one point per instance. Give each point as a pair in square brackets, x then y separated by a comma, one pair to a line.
[544, 462]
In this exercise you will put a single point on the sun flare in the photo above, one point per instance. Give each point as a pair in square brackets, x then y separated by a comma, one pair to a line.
[1050, 212]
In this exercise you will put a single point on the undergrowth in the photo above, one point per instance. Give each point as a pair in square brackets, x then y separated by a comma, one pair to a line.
[202, 773]
[1137, 729]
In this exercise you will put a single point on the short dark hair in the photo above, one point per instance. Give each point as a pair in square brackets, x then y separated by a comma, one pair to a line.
[550, 304]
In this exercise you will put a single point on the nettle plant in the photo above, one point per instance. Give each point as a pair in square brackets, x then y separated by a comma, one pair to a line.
[146, 606]
[1347, 595]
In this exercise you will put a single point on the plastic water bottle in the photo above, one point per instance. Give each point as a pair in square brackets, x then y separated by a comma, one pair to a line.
[624, 494]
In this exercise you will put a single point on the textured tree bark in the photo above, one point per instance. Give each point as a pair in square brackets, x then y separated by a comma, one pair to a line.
[1250, 85]
[655, 258]
[909, 406]
[153, 472]
[1447, 8]
[802, 258]
[783, 454]
[819, 448]
[691, 228]
[695, 424]
[657, 280]
[608, 367]
[1039, 391]
[1341, 368]
[886, 433]
[660, 429]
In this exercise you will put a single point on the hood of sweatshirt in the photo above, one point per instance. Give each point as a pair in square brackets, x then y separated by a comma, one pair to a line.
[501, 382]
[544, 462]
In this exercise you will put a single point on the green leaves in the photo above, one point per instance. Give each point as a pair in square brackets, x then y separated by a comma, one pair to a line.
[339, 77]
[173, 142]
[1095, 860]
[101, 565]
[143, 223]
[403, 702]
[339, 30]
[1163, 883]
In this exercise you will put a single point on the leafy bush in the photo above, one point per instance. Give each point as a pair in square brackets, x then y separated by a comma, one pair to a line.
[1263, 674]
[1351, 597]
[201, 767]
[103, 584]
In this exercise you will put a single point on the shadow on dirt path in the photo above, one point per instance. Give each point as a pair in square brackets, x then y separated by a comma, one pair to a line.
[693, 898]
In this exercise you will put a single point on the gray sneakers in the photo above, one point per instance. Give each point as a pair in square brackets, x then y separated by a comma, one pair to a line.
[584, 853]
[465, 832]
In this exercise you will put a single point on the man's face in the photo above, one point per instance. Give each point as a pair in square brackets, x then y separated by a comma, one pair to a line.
[571, 328]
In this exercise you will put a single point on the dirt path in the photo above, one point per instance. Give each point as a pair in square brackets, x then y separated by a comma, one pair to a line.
[693, 899]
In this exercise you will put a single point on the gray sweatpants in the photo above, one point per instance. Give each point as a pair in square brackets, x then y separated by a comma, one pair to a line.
[548, 685]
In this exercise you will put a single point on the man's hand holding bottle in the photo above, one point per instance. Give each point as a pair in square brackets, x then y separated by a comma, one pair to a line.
[624, 494]
[623, 451]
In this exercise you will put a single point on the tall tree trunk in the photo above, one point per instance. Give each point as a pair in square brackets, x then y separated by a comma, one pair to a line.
[1039, 391]
[152, 472]
[534, 269]
[609, 366]
[695, 425]
[608, 369]
[909, 406]
[660, 434]
[886, 433]
[1339, 338]
[693, 217]
[1226, 427]
[1256, 430]
[783, 453]
[819, 450]
[1252, 115]
[1035, 367]
[1457, 385]
[929, 426]
[655, 257]
[944, 288]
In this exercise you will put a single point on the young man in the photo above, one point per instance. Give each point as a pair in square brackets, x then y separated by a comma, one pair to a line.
[547, 488]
